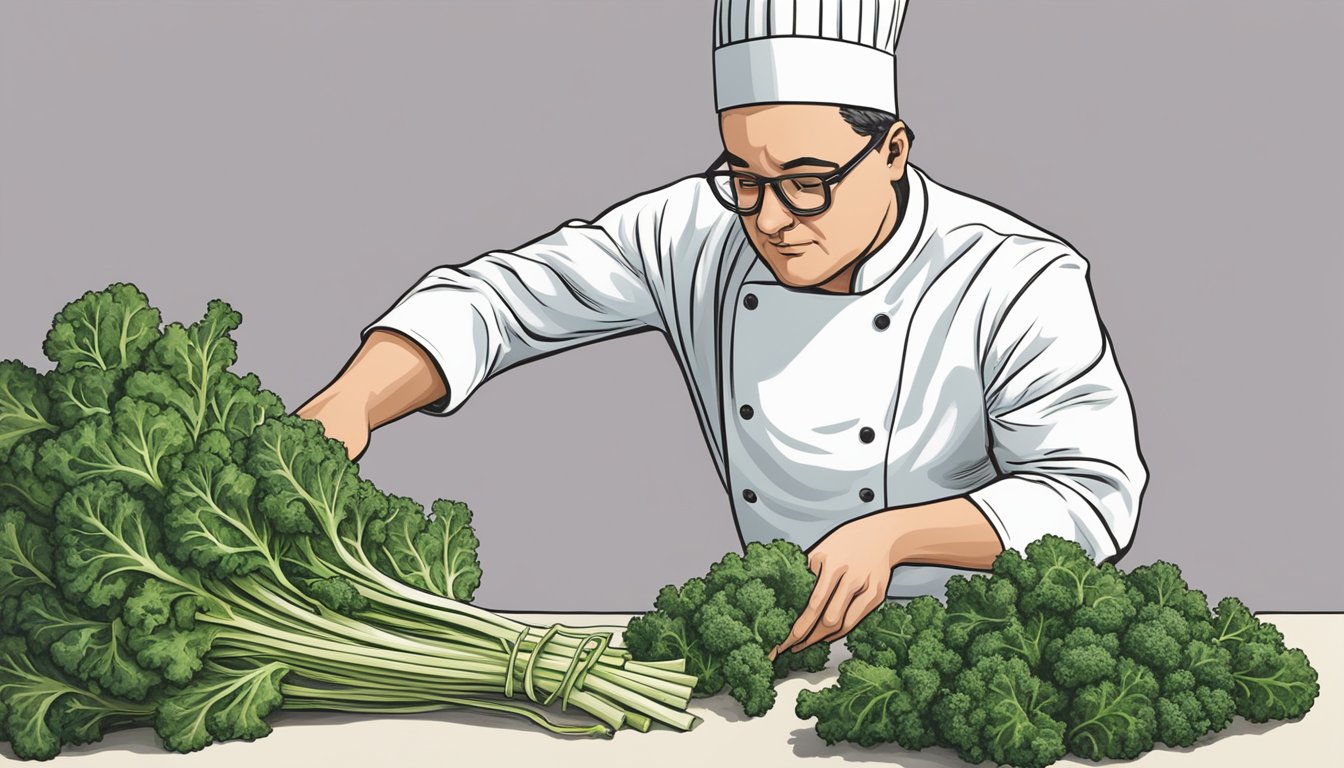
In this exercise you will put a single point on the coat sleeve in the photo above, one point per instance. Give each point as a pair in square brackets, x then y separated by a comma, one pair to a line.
[1062, 426]
[582, 283]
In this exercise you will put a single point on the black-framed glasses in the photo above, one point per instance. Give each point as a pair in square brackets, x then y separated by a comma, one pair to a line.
[806, 194]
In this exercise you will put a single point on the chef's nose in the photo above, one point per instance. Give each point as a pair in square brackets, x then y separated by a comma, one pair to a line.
[773, 216]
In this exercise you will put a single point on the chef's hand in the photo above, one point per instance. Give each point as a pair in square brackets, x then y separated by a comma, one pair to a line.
[853, 566]
[344, 417]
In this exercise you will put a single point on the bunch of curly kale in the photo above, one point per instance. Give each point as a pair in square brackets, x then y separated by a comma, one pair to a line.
[1049, 654]
[1052, 654]
[175, 550]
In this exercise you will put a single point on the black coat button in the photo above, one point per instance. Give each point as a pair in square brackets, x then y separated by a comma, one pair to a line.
[749, 495]
[866, 494]
[746, 411]
[881, 322]
[866, 434]
[749, 301]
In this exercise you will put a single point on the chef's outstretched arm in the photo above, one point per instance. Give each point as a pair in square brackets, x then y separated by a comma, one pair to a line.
[1062, 435]
[458, 326]
[387, 378]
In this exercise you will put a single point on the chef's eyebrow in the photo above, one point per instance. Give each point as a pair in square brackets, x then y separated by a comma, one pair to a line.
[739, 162]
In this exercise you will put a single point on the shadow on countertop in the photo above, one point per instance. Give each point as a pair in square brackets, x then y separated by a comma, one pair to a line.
[806, 743]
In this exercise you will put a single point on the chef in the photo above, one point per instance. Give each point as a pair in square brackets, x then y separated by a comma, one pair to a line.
[898, 377]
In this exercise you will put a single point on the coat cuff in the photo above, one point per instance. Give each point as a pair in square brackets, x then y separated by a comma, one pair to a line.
[1022, 509]
[458, 364]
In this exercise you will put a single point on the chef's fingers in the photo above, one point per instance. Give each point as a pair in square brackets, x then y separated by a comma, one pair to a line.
[863, 605]
[834, 615]
[827, 580]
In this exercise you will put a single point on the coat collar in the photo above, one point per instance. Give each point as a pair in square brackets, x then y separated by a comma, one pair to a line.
[880, 265]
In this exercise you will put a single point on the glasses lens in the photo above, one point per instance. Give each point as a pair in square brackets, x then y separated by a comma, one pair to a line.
[734, 191]
[805, 193]
[746, 192]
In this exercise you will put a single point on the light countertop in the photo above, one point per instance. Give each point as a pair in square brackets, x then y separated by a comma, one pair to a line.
[726, 738]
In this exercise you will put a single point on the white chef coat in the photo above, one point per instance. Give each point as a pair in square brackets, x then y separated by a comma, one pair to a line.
[969, 361]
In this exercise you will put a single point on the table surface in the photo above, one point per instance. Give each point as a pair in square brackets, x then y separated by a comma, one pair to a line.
[725, 739]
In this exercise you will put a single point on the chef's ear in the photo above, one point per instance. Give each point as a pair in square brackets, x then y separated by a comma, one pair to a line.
[898, 149]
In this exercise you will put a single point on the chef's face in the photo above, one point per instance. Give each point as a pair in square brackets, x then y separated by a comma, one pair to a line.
[818, 250]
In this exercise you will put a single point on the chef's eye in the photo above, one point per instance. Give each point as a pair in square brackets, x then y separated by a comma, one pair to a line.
[809, 184]
[746, 183]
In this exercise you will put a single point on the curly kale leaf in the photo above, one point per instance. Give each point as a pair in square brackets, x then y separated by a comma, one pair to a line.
[436, 554]
[221, 703]
[91, 650]
[25, 554]
[1115, 718]
[23, 405]
[725, 623]
[1070, 584]
[40, 710]
[923, 661]
[1158, 638]
[211, 521]
[1269, 680]
[1185, 715]
[662, 636]
[885, 636]
[1234, 624]
[1271, 683]
[748, 673]
[305, 480]
[108, 330]
[81, 393]
[108, 555]
[1162, 585]
[21, 486]
[1082, 657]
[105, 544]
[139, 445]
[187, 370]
[872, 704]
[978, 604]
[998, 710]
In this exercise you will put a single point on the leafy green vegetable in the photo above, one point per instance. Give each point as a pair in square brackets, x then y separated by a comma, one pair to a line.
[1115, 717]
[725, 624]
[900, 664]
[1052, 654]
[177, 551]
[221, 703]
[23, 405]
[999, 710]
[107, 330]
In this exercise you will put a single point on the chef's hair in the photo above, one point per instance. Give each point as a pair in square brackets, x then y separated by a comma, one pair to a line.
[871, 122]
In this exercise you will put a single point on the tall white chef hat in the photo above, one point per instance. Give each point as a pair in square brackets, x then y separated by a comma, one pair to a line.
[810, 51]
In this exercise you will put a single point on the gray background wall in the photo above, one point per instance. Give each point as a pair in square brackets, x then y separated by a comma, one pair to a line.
[308, 161]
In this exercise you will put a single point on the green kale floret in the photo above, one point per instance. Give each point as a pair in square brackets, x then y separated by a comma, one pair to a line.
[900, 664]
[1082, 657]
[1115, 718]
[998, 710]
[869, 705]
[725, 624]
